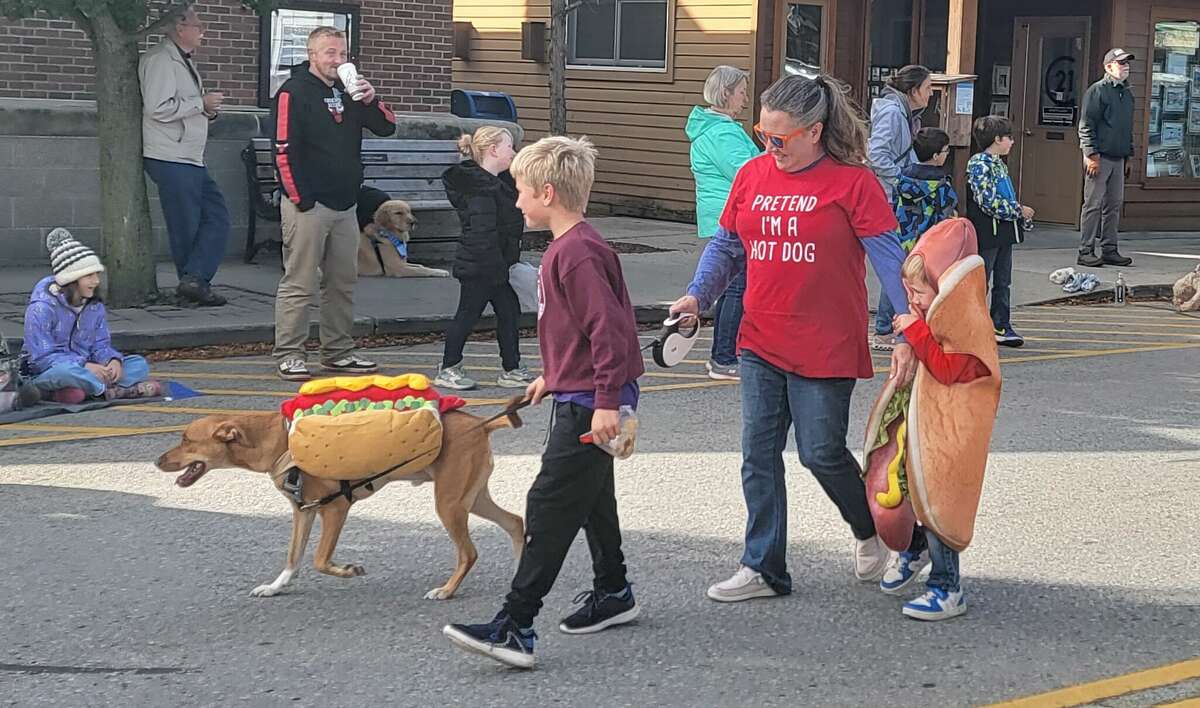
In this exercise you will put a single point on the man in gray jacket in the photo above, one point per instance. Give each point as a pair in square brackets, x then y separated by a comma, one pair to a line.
[1106, 138]
[175, 115]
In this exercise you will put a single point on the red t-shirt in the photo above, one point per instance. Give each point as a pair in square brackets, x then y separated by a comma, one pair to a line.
[806, 296]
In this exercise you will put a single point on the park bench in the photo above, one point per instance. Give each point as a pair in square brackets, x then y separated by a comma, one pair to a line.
[406, 169]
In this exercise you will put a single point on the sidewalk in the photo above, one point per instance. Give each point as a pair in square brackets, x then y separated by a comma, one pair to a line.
[656, 274]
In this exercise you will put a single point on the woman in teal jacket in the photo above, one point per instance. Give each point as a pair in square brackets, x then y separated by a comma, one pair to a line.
[720, 146]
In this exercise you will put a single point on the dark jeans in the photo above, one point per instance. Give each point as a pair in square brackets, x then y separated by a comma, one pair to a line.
[884, 314]
[473, 296]
[997, 265]
[573, 490]
[944, 573]
[772, 400]
[196, 217]
[727, 319]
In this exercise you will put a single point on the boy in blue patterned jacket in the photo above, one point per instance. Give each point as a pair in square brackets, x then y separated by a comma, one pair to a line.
[924, 195]
[1000, 220]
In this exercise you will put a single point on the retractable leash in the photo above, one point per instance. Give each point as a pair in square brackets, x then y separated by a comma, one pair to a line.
[675, 341]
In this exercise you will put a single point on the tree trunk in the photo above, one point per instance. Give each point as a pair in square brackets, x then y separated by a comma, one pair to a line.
[558, 67]
[125, 230]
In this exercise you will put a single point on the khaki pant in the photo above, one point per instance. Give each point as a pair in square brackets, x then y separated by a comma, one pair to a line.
[320, 248]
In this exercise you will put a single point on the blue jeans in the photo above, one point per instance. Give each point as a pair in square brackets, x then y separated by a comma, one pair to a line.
[884, 314]
[135, 370]
[196, 217]
[772, 400]
[727, 319]
[944, 573]
[997, 266]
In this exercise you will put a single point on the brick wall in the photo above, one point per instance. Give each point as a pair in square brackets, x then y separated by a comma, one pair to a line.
[405, 48]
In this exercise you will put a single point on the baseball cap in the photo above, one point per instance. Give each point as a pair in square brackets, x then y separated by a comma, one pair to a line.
[1117, 54]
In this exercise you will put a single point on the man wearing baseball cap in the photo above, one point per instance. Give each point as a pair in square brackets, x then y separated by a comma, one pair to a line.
[1106, 138]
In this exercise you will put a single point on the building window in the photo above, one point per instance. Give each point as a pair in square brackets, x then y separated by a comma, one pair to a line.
[283, 40]
[618, 33]
[1173, 122]
[804, 38]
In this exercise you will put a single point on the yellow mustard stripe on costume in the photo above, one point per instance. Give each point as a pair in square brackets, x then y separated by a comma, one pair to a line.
[893, 496]
[417, 382]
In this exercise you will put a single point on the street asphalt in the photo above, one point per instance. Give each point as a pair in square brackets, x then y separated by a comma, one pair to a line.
[122, 589]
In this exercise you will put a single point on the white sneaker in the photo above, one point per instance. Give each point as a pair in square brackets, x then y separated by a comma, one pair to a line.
[936, 604]
[452, 377]
[902, 570]
[870, 559]
[745, 584]
[517, 378]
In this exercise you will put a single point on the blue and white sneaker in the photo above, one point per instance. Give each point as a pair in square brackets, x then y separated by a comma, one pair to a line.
[902, 570]
[501, 640]
[1008, 337]
[936, 604]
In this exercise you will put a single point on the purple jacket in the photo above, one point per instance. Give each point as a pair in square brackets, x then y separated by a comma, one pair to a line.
[54, 334]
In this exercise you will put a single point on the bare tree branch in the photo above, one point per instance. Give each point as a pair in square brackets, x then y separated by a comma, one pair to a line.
[172, 11]
[84, 22]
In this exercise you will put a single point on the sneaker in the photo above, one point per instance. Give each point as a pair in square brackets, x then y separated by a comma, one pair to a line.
[452, 377]
[1061, 275]
[198, 292]
[501, 640]
[902, 571]
[599, 611]
[883, 342]
[1116, 259]
[936, 604]
[745, 584]
[517, 378]
[722, 372]
[294, 368]
[1088, 260]
[146, 389]
[1008, 337]
[870, 559]
[350, 364]
[1076, 282]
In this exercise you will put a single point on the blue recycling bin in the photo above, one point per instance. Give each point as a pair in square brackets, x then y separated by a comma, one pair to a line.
[493, 105]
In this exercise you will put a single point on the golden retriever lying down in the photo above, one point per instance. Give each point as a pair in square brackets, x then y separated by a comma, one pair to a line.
[383, 244]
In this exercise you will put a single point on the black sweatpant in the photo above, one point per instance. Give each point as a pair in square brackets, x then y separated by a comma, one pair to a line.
[473, 296]
[573, 490]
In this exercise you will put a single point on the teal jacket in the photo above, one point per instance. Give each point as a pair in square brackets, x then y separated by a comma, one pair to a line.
[719, 149]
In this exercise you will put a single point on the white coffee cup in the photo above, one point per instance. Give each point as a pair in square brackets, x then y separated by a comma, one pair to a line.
[349, 76]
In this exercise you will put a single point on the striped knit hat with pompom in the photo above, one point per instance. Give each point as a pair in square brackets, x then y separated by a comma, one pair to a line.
[69, 259]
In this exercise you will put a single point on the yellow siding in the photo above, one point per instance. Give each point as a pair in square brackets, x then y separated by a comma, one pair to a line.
[635, 120]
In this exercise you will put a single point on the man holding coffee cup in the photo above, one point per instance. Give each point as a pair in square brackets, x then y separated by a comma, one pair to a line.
[319, 115]
[176, 111]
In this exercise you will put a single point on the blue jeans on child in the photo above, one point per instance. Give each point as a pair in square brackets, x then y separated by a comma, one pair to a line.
[997, 266]
[727, 319]
[135, 370]
[944, 573]
[196, 217]
[772, 400]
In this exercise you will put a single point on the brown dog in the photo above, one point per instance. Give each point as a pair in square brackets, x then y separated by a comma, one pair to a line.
[258, 441]
[377, 255]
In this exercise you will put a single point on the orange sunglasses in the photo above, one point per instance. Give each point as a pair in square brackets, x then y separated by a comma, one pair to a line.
[776, 140]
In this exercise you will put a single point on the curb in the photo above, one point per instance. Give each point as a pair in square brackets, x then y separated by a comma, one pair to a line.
[143, 341]
[1106, 295]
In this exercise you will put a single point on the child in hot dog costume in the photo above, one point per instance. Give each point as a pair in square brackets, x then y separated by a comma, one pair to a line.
[927, 444]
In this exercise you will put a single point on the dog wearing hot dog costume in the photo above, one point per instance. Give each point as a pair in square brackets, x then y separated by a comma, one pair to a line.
[927, 444]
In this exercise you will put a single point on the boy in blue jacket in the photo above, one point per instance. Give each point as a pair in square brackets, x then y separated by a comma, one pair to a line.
[924, 194]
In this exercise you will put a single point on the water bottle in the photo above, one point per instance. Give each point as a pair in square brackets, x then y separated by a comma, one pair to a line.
[1120, 291]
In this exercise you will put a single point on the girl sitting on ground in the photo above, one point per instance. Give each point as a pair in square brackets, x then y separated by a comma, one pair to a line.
[70, 351]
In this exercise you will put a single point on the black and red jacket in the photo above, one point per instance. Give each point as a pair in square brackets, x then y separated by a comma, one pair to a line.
[318, 140]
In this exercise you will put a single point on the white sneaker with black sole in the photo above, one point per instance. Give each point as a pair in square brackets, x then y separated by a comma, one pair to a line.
[294, 368]
[745, 584]
[722, 372]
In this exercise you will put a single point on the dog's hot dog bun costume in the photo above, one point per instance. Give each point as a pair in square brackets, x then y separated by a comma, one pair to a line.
[352, 427]
[927, 446]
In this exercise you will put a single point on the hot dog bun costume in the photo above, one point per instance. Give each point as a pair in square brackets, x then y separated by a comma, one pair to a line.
[352, 427]
[927, 445]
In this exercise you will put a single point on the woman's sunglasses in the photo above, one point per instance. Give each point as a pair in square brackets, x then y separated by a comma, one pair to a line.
[776, 140]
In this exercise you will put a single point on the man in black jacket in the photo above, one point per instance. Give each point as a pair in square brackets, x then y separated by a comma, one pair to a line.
[1106, 138]
[318, 138]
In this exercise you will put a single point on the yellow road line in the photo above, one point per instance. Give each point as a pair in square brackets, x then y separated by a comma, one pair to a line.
[1068, 340]
[1185, 703]
[261, 377]
[1083, 354]
[48, 428]
[1110, 687]
[11, 442]
[1106, 331]
[1195, 324]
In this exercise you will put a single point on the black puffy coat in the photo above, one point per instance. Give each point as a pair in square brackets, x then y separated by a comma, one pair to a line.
[491, 223]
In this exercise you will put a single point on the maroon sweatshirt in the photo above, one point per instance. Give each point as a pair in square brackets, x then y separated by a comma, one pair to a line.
[586, 330]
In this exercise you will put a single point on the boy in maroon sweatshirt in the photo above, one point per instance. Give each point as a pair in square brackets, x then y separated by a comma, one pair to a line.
[591, 358]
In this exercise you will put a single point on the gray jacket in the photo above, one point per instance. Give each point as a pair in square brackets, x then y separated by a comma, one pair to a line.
[893, 124]
[174, 126]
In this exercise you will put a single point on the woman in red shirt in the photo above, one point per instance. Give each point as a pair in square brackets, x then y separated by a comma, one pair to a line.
[799, 222]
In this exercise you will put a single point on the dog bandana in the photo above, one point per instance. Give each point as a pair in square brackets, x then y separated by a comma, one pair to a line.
[401, 246]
